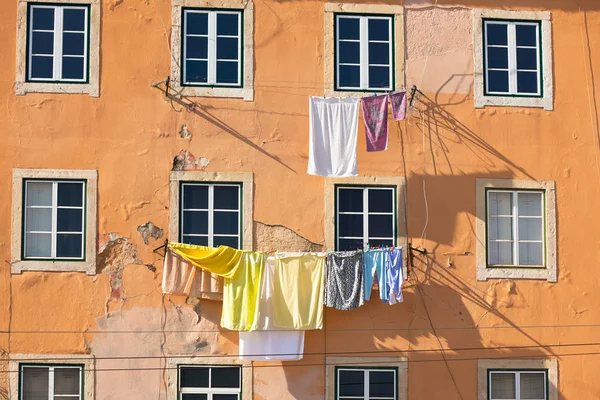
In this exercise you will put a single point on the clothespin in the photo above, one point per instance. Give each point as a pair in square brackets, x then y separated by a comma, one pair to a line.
[374, 94]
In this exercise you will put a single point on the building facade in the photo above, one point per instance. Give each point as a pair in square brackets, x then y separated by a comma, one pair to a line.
[116, 111]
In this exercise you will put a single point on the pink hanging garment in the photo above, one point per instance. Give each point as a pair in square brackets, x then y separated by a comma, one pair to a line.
[375, 114]
[398, 100]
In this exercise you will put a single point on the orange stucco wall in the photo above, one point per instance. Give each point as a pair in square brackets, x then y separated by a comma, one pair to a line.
[130, 134]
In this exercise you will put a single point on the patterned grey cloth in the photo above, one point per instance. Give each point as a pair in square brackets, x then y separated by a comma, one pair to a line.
[344, 280]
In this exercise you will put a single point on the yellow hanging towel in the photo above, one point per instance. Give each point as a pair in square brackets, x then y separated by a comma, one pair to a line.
[242, 271]
[298, 291]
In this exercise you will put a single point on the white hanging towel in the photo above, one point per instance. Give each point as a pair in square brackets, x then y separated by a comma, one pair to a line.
[333, 135]
[268, 343]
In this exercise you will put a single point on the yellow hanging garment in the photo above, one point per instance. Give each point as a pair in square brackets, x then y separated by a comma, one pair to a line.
[222, 261]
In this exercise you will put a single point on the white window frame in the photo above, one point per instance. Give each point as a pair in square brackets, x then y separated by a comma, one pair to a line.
[54, 207]
[20, 264]
[512, 58]
[51, 369]
[550, 366]
[212, 46]
[517, 375]
[364, 51]
[546, 84]
[58, 32]
[515, 226]
[549, 270]
[366, 371]
[210, 391]
[365, 213]
[211, 210]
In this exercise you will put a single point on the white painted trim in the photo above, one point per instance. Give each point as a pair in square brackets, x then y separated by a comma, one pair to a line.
[550, 271]
[480, 99]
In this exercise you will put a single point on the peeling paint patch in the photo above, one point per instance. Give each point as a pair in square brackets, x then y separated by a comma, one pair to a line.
[184, 132]
[149, 230]
[115, 254]
[272, 238]
[114, 4]
[186, 161]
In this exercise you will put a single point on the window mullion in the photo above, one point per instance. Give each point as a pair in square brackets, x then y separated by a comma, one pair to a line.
[364, 53]
[54, 218]
[366, 388]
[518, 385]
[58, 29]
[211, 211]
[512, 58]
[212, 47]
[515, 211]
[365, 217]
[51, 383]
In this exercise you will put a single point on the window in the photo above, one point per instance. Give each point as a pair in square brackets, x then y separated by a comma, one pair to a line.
[512, 54]
[515, 227]
[212, 208]
[517, 385]
[366, 384]
[51, 382]
[211, 214]
[54, 220]
[210, 382]
[58, 42]
[212, 47]
[365, 216]
[513, 58]
[364, 56]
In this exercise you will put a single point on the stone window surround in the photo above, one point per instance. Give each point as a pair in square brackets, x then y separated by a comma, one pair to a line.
[481, 100]
[92, 87]
[397, 181]
[19, 265]
[329, 42]
[483, 272]
[401, 363]
[247, 180]
[86, 360]
[247, 90]
[174, 362]
[484, 365]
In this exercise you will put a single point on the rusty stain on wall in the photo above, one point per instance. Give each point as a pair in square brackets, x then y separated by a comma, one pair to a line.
[149, 230]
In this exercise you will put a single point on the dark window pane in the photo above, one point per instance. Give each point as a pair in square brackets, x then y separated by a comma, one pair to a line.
[379, 53]
[35, 383]
[193, 377]
[350, 225]
[196, 47]
[227, 72]
[69, 220]
[226, 241]
[195, 196]
[381, 226]
[349, 52]
[226, 222]
[195, 222]
[196, 23]
[68, 245]
[70, 194]
[226, 197]
[349, 28]
[379, 77]
[227, 24]
[189, 396]
[497, 34]
[225, 397]
[350, 244]
[379, 29]
[526, 35]
[42, 43]
[381, 384]
[41, 67]
[72, 67]
[381, 200]
[196, 71]
[197, 240]
[73, 44]
[350, 200]
[351, 383]
[497, 57]
[227, 48]
[381, 242]
[498, 81]
[527, 59]
[43, 18]
[527, 82]
[66, 381]
[349, 76]
[226, 377]
[74, 20]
